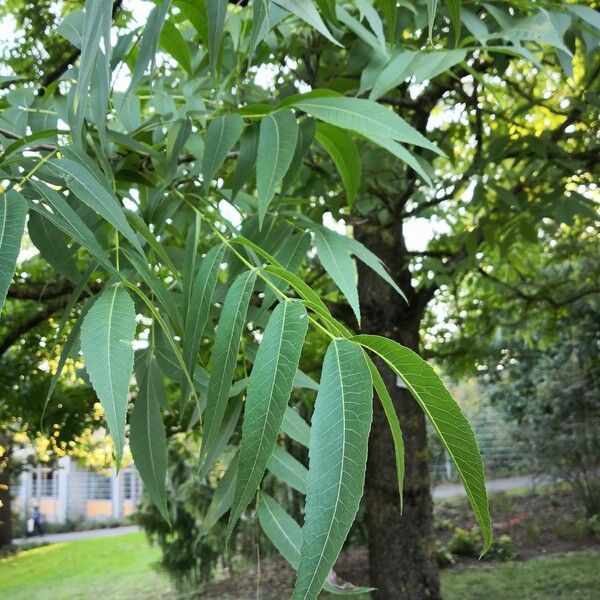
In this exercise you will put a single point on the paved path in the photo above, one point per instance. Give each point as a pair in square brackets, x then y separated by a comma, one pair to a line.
[79, 535]
[448, 490]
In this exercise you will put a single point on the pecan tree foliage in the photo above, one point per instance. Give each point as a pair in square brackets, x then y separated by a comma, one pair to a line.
[178, 192]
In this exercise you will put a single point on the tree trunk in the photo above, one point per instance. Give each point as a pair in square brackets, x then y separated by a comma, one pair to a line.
[5, 504]
[401, 546]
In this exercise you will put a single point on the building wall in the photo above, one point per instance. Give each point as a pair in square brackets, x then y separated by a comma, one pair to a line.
[69, 492]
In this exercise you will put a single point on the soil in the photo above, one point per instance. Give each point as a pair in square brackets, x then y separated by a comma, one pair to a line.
[539, 523]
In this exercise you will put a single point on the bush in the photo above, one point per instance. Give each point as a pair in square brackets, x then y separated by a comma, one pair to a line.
[443, 556]
[503, 548]
[465, 543]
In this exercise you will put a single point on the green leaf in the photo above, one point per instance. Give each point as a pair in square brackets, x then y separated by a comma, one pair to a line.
[306, 134]
[222, 133]
[222, 498]
[286, 536]
[295, 427]
[227, 341]
[260, 23]
[365, 117]
[336, 260]
[158, 287]
[587, 14]
[71, 27]
[364, 255]
[230, 423]
[337, 459]
[216, 10]
[420, 65]
[149, 42]
[172, 42]
[107, 334]
[343, 152]
[199, 306]
[246, 160]
[147, 438]
[306, 11]
[431, 12]
[49, 240]
[13, 210]
[404, 155]
[276, 146]
[269, 389]
[445, 415]
[392, 418]
[94, 17]
[280, 528]
[291, 471]
[390, 17]
[67, 220]
[89, 190]
[311, 299]
[454, 12]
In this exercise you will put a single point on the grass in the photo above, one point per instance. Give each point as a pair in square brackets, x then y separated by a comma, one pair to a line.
[120, 568]
[115, 567]
[575, 576]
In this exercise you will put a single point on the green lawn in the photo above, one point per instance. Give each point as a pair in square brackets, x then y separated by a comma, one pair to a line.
[120, 568]
[574, 576]
[115, 567]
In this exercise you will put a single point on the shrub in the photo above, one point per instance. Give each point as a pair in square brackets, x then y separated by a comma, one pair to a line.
[465, 543]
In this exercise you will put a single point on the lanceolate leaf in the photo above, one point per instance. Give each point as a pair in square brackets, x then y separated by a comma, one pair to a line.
[51, 243]
[216, 10]
[445, 415]
[286, 536]
[336, 260]
[260, 22]
[222, 133]
[13, 210]
[199, 305]
[454, 11]
[283, 465]
[404, 155]
[222, 497]
[364, 255]
[246, 160]
[227, 341]
[392, 417]
[307, 11]
[148, 439]
[337, 459]
[87, 188]
[431, 12]
[365, 117]
[280, 528]
[173, 42]
[342, 150]
[295, 427]
[269, 389]
[306, 134]
[66, 219]
[276, 145]
[106, 343]
[149, 42]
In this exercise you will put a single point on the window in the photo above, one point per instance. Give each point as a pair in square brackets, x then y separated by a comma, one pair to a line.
[127, 485]
[43, 484]
[99, 486]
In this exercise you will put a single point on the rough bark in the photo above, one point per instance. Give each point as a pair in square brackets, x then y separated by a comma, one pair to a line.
[401, 546]
[5, 501]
